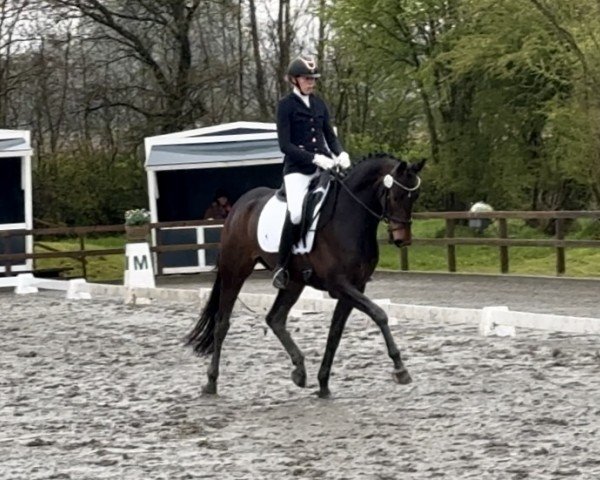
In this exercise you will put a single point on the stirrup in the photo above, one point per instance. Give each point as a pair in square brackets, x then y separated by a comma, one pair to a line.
[281, 278]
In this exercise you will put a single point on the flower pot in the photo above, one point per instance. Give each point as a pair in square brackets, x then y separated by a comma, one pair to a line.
[137, 233]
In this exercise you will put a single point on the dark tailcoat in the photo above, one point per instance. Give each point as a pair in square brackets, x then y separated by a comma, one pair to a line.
[304, 131]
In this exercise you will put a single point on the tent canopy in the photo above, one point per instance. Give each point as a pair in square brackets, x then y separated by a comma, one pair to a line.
[185, 170]
[233, 144]
[14, 143]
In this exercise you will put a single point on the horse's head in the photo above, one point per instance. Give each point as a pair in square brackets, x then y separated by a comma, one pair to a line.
[401, 186]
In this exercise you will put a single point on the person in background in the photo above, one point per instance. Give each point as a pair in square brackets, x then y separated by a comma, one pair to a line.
[308, 142]
[219, 208]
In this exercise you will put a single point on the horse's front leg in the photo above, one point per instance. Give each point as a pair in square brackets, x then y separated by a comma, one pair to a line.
[346, 291]
[277, 319]
[338, 322]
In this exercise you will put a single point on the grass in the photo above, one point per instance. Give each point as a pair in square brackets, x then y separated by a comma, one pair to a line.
[580, 262]
[103, 267]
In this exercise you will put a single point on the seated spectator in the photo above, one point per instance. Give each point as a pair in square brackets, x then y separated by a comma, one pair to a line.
[219, 208]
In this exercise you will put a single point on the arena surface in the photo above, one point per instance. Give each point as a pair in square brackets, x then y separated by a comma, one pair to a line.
[97, 389]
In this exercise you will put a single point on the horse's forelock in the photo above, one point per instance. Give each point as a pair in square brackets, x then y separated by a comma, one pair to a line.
[400, 167]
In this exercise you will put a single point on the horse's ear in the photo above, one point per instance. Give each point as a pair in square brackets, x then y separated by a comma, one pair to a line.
[417, 167]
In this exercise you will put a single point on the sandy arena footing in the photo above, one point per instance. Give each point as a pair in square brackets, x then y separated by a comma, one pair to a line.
[97, 389]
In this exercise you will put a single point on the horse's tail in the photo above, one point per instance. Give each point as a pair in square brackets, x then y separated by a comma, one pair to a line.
[202, 337]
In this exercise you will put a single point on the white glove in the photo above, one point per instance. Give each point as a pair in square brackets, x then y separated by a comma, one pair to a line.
[323, 161]
[343, 160]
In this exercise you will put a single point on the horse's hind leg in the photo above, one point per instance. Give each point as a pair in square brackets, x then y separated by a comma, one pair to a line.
[277, 318]
[231, 284]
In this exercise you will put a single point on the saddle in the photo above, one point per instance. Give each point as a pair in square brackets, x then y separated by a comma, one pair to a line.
[273, 215]
[316, 190]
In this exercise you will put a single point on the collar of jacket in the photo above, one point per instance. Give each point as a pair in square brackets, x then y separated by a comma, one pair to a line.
[305, 99]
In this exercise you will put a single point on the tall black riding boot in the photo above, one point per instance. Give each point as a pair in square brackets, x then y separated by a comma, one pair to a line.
[280, 275]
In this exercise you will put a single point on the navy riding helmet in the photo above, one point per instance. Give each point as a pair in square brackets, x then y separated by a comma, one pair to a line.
[303, 67]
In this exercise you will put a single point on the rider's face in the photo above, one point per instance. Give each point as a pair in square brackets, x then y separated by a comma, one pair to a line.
[307, 84]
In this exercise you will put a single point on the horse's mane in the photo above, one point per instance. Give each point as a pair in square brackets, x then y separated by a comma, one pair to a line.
[369, 165]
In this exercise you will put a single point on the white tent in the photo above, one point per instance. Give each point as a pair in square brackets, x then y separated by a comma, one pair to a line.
[185, 169]
[16, 211]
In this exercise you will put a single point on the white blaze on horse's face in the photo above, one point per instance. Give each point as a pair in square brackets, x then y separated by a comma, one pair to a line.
[402, 185]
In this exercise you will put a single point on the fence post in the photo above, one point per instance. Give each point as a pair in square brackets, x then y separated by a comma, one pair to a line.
[560, 251]
[159, 258]
[7, 250]
[503, 232]
[82, 259]
[404, 259]
[450, 249]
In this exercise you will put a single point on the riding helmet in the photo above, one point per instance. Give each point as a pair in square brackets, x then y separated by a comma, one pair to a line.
[303, 67]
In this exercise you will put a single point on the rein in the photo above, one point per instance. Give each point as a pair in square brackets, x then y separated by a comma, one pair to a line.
[388, 182]
[340, 181]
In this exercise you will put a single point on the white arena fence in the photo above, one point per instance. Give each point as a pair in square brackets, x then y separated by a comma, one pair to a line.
[492, 320]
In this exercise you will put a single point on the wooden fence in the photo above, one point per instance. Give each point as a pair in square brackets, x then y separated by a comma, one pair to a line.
[449, 241]
[81, 233]
[503, 242]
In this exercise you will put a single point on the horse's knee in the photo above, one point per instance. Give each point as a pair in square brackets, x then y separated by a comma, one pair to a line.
[270, 319]
[380, 317]
[277, 326]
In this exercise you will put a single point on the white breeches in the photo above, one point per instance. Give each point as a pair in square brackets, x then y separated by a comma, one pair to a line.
[296, 186]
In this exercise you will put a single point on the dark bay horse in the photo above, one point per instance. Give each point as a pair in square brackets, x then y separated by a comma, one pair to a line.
[344, 256]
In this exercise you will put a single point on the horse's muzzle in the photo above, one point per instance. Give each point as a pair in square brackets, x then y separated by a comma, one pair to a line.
[400, 234]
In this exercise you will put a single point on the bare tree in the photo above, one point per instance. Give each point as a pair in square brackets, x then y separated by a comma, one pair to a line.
[156, 36]
[284, 43]
[12, 76]
[258, 64]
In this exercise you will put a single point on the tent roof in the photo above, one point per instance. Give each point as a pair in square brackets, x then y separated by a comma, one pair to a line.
[227, 145]
[14, 143]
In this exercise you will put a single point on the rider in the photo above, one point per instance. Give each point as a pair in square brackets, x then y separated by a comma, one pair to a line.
[308, 141]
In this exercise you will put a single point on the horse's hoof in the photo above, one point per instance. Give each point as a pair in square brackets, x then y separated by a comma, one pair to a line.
[209, 389]
[401, 376]
[299, 377]
[323, 393]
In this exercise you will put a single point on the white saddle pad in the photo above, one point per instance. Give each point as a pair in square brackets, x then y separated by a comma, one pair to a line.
[270, 225]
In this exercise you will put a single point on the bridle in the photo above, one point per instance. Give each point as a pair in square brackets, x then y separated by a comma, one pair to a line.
[388, 183]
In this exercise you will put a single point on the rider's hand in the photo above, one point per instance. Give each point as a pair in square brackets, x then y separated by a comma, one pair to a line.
[343, 160]
[323, 161]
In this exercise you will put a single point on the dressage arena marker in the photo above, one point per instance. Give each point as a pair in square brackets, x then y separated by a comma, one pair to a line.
[138, 266]
[489, 320]
[139, 272]
[26, 283]
[487, 325]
